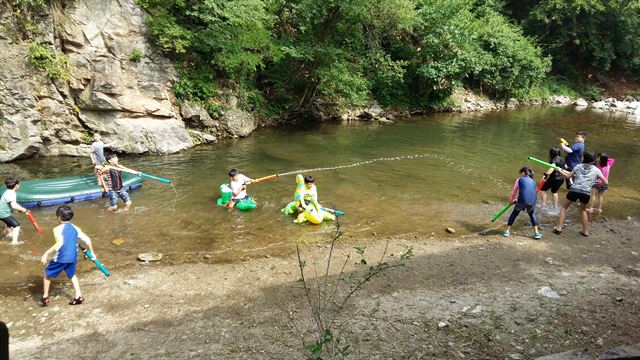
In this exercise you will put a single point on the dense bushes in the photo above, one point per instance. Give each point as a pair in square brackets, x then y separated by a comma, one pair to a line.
[285, 55]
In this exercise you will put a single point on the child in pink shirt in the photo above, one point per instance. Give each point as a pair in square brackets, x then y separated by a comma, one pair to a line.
[604, 163]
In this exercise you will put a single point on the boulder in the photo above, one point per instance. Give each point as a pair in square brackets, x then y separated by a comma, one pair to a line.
[599, 105]
[238, 123]
[195, 116]
[373, 111]
[581, 102]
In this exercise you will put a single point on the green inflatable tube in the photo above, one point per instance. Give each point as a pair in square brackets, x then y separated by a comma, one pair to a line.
[504, 210]
[225, 198]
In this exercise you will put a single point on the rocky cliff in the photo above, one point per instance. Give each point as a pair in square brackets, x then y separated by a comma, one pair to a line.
[117, 84]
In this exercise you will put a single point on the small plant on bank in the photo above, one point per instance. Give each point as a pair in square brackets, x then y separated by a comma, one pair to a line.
[136, 55]
[55, 66]
[323, 335]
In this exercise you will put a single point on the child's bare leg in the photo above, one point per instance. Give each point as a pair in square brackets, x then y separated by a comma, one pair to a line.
[600, 201]
[543, 197]
[76, 286]
[563, 214]
[127, 205]
[45, 287]
[555, 200]
[594, 200]
[112, 208]
[584, 218]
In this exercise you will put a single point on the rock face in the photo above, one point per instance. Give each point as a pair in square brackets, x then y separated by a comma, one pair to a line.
[129, 102]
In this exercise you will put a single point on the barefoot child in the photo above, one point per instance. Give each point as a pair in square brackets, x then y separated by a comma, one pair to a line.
[525, 187]
[238, 184]
[116, 189]
[8, 203]
[553, 178]
[66, 257]
[584, 176]
[604, 164]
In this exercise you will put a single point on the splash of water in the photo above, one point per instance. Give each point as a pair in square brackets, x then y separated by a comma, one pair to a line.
[450, 163]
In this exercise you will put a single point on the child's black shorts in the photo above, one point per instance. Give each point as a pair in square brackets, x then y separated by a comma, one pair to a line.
[575, 196]
[10, 221]
[552, 184]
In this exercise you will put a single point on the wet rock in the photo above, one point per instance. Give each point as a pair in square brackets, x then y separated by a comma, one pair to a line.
[450, 230]
[581, 102]
[385, 121]
[548, 292]
[207, 256]
[599, 105]
[150, 256]
[442, 324]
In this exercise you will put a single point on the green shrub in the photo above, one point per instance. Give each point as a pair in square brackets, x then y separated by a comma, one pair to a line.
[55, 66]
[136, 55]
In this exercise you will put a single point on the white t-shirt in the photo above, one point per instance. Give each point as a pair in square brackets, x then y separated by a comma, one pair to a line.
[237, 185]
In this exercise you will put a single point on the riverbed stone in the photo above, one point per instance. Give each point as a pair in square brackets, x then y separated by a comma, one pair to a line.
[599, 105]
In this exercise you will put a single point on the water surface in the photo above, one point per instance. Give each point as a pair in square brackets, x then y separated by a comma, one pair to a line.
[440, 170]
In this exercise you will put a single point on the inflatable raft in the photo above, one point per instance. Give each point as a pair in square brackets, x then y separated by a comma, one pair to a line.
[67, 189]
[225, 198]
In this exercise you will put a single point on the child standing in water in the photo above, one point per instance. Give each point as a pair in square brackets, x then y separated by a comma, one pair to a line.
[584, 176]
[525, 187]
[66, 254]
[116, 188]
[8, 203]
[574, 153]
[238, 184]
[553, 178]
[604, 163]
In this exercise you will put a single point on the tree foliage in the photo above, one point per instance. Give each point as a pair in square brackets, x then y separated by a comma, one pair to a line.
[292, 54]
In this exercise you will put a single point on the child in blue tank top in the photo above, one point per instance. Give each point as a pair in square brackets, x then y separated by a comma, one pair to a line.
[66, 254]
[525, 187]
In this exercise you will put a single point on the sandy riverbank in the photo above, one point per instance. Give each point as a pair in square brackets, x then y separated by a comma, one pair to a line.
[469, 297]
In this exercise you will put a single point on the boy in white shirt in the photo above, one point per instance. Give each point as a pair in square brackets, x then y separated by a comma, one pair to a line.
[238, 184]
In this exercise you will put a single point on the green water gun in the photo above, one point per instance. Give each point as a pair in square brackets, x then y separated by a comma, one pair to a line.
[504, 210]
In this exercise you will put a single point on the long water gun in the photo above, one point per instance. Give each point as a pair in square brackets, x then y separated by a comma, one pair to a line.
[139, 173]
[504, 210]
[95, 261]
[337, 212]
[265, 178]
[32, 219]
[540, 185]
[544, 163]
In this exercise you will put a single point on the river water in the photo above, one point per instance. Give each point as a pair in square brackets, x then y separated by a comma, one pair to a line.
[416, 176]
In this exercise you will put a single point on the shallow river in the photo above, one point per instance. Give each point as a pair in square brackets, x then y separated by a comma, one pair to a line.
[427, 173]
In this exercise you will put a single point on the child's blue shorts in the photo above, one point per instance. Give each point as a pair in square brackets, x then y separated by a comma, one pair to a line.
[55, 268]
